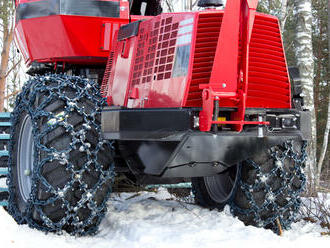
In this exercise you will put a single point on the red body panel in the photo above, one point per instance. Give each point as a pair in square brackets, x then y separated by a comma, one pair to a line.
[72, 39]
[69, 38]
[151, 62]
[194, 59]
[152, 86]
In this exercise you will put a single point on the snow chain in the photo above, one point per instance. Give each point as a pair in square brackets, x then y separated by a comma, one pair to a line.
[293, 204]
[55, 87]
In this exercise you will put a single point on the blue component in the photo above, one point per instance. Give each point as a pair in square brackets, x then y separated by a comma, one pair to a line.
[3, 189]
[5, 115]
[3, 171]
[4, 153]
[5, 124]
[4, 136]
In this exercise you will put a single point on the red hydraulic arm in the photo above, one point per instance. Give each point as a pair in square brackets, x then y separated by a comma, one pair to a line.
[229, 77]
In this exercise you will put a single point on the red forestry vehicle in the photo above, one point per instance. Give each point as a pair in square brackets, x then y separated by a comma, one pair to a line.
[119, 87]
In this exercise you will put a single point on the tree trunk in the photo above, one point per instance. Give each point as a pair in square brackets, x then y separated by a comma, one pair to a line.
[327, 128]
[324, 147]
[283, 13]
[8, 35]
[305, 62]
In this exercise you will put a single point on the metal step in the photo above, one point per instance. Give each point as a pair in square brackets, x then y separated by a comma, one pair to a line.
[5, 115]
[5, 136]
[3, 189]
[3, 171]
[4, 154]
[5, 124]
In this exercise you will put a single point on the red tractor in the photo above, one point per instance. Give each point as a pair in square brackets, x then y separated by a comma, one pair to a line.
[118, 87]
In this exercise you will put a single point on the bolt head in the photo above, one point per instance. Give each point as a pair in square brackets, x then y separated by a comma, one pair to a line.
[27, 173]
[216, 164]
[224, 85]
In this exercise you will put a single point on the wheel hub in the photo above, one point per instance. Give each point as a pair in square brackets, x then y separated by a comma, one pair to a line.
[25, 158]
[221, 186]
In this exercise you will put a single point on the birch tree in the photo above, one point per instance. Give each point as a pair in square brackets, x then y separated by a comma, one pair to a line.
[324, 19]
[305, 63]
[324, 146]
[7, 33]
[321, 81]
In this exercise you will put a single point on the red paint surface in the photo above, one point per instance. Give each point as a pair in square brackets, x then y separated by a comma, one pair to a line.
[67, 38]
[268, 83]
[236, 56]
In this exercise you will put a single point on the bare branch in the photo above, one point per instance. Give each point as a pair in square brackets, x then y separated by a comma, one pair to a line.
[14, 67]
[12, 94]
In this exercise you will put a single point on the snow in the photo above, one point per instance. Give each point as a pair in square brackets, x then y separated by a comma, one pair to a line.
[157, 220]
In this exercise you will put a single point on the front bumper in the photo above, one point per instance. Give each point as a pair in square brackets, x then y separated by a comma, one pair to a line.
[168, 145]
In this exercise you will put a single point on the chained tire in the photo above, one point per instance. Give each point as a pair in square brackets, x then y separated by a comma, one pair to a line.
[60, 169]
[267, 190]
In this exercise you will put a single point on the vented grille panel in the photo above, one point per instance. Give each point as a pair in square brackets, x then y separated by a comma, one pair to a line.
[140, 58]
[107, 75]
[166, 48]
[208, 30]
[268, 81]
[155, 53]
[269, 85]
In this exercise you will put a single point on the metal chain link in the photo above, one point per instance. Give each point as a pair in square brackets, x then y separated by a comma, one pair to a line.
[286, 213]
[71, 90]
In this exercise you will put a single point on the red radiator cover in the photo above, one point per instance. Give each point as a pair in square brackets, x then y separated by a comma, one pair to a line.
[148, 76]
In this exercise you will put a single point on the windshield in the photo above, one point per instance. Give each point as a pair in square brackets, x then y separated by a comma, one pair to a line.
[99, 8]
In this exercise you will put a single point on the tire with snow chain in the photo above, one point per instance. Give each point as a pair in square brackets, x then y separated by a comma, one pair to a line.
[260, 191]
[270, 186]
[60, 169]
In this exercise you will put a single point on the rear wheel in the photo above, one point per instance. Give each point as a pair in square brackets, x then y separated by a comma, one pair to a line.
[269, 189]
[265, 189]
[61, 171]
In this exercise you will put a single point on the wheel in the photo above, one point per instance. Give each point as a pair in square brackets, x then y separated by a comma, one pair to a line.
[215, 191]
[262, 190]
[60, 169]
[270, 186]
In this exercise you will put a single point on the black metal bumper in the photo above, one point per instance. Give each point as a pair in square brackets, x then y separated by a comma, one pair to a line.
[168, 145]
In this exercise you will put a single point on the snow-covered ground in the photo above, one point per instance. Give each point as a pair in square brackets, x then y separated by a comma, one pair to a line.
[152, 220]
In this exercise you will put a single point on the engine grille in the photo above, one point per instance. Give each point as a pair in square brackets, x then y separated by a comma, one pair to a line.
[269, 85]
[208, 30]
[107, 75]
[155, 53]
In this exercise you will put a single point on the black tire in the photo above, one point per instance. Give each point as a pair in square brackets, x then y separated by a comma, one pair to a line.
[215, 191]
[270, 186]
[66, 185]
[267, 188]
